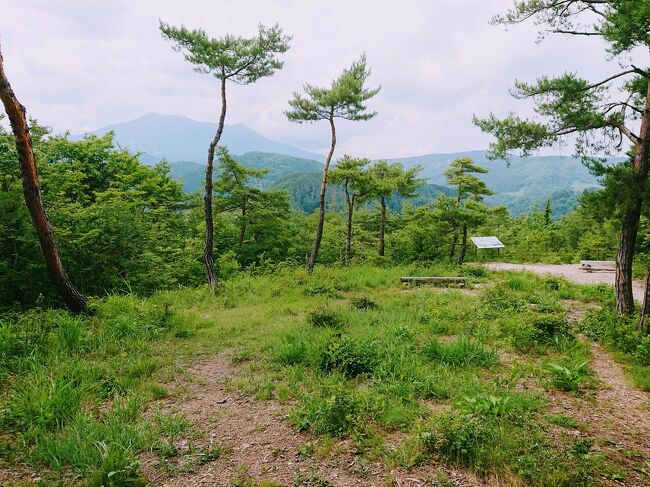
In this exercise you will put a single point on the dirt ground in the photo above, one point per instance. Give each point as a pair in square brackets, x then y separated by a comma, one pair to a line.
[571, 272]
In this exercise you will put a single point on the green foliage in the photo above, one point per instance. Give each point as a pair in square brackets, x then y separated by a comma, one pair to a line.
[324, 318]
[568, 377]
[242, 60]
[348, 356]
[333, 410]
[463, 352]
[364, 303]
[345, 98]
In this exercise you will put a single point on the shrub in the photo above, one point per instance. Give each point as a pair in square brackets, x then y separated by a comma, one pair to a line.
[363, 303]
[324, 318]
[461, 353]
[351, 358]
[227, 265]
[332, 410]
[321, 289]
[462, 438]
[642, 353]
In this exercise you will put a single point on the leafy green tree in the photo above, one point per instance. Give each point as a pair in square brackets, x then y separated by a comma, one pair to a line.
[234, 189]
[240, 60]
[352, 174]
[345, 98]
[548, 212]
[387, 179]
[469, 193]
[599, 115]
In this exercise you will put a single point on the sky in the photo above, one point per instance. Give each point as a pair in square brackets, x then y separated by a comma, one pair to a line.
[79, 65]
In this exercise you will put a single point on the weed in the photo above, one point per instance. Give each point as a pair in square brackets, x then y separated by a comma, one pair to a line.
[324, 318]
[568, 377]
[364, 303]
[349, 357]
[461, 353]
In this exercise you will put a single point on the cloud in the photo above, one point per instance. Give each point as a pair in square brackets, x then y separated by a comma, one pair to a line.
[79, 65]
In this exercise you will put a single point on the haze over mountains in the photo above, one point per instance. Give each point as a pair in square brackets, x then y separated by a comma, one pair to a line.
[183, 142]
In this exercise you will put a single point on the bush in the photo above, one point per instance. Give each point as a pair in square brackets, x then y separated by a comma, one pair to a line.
[324, 318]
[332, 410]
[461, 353]
[227, 265]
[364, 303]
[321, 289]
[350, 358]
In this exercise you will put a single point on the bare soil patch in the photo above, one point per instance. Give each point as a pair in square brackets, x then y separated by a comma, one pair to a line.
[262, 445]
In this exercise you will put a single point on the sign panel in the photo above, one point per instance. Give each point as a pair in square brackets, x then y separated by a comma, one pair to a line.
[487, 243]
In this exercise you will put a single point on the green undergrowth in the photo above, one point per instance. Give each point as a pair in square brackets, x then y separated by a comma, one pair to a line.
[461, 376]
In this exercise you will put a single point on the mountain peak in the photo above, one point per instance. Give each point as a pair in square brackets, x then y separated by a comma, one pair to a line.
[180, 138]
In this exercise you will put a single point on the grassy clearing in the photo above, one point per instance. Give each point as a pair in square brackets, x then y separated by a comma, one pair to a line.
[462, 378]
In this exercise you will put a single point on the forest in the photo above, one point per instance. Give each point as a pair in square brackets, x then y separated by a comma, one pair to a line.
[244, 331]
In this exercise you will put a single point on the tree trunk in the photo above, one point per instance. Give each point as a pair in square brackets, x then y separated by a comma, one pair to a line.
[625, 256]
[463, 247]
[242, 225]
[208, 245]
[32, 191]
[348, 235]
[382, 226]
[311, 262]
[644, 324]
[454, 241]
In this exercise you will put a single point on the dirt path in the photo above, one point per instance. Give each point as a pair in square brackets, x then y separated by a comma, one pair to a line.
[263, 447]
[571, 272]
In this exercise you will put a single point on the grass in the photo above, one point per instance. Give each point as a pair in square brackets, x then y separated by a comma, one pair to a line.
[354, 354]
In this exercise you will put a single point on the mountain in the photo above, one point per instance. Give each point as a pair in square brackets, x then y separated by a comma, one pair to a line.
[521, 182]
[278, 166]
[304, 189]
[178, 138]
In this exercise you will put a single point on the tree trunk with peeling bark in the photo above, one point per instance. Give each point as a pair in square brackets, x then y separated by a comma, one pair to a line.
[311, 261]
[208, 245]
[32, 192]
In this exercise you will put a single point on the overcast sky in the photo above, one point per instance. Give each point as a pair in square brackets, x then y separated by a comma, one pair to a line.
[79, 64]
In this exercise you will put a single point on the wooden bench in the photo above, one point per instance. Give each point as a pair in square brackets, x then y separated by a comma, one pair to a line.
[597, 265]
[460, 281]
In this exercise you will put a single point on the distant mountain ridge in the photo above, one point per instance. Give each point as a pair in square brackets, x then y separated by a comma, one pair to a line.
[179, 138]
[520, 184]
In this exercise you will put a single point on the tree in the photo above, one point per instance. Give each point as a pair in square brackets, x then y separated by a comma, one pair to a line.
[234, 190]
[32, 193]
[600, 115]
[345, 98]
[387, 179]
[352, 175]
[469, 193]
[240, 60]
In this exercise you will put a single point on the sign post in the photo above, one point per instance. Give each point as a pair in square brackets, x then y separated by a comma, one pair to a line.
[487, 243]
